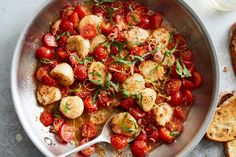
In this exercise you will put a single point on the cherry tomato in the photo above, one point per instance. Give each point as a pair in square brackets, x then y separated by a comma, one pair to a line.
[133, 18]
[106, 28]
[53, 64]
[188, 84]
[46, 118]
[197, 79]
[89, 130]
[137, 113]
[80, 72]
[114, 50]
[141, 137]
[83, 94]
[156, 20]
[44, 53]
[187, 55]
[63, 55]
[48, 80]
[165, 135]
[173, 73]
[128, 103]
[119, 141]
[41, 72]
[101, 53]
[139, 148]
[67, 132]
[81, 11]
[98, 10]
[62, 40]
[120, 77]
[103, 98]
[65, 91]
[145, 22]
[140, 51]
[127, 5]
[173, 86]
[116, 34]
[142, 10]
[89, 105]
[57, 123]
[179, 113]
[66, 12]
[89, 31]
[154, 136]
[89, 150]
[176, 98]
[188, 96]
[74, 19]
[74, 59]
[179, 39]
[66, 26]
[49, 40]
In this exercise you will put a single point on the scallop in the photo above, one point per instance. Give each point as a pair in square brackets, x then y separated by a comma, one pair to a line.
[162, 113]
[152, 70]
[100, 116]
[63, 72]
[97, 73]
[90, 19]
[146, 99]
[133, 85]
[125, 124]
[72, 107]
[48, 94]
[162, 36]
[98, 40]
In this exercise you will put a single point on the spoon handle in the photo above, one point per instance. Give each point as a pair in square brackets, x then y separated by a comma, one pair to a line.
[77, 149]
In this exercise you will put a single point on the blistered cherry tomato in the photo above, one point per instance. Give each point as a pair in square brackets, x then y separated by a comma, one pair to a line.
[154, 136]
[98, 10]
[62, 40]
[173, 86]
[89, 130]
[188, 84]
[46, 118]
[128, 103]
[140, 50]
[106, 28]
[197, 79]
[179, 113]
[179, 39]
[173, 73]
[142, 10]
[48, 80]
[89, 150]
[120, 77]
[165, 135]
[66, 12]
[44, 53]
[57, 123]
[119, 141]
[81, 72]
[141, 137]
[41, 72]
[187, 55]
[101, 53]
[139, 148]
[66, 26]
[74, 19]
[49, 40]
[89, 31]
[103, 98]
[127, 5]
[63, 55]
[67, 132]
[188, 96]
[133, 18]
[114, 50]
[81, 11]
[74, 59]
[156, 20]
[136, 112]
[176, 98]
[145, 22]
[89, 105]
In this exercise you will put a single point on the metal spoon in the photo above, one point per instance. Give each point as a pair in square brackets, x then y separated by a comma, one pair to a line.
[103, 137]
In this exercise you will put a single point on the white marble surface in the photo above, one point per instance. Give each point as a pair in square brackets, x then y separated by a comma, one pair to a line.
[14, 14]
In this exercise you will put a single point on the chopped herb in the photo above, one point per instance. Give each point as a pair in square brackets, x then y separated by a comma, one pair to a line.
[140, 99]
[57, 115]
[86, 60]
[96, 94]
[132, 13]
[125, 93]
[181, 69]
[95, 73]
[45, 61]
[175, 133]
[121, 60]
[171, 36]
[109, 83]
[154, 69]
[67, 107]
[170, 52]
[111, 12]
[62, 34]
[75, 90]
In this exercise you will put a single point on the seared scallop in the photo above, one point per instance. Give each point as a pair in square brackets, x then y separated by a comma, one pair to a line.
[97, 73]
[100, 116]
[97, 40]
[146, 99]
[162, 113]
[90, 20]
[72, 107]
[162, 36]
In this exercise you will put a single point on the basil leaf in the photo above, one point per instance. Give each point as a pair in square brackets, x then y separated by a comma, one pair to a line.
[171, 36]
[179, 68]
[132, 13]
[67, 107]
[45, 61]
[175, 133]
[62, 34]
[96, 95]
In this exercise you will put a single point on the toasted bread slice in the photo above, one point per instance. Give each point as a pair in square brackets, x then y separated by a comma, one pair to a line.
[230, 148]
[223, 125]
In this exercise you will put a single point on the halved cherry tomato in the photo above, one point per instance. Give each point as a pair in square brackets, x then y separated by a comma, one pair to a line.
[139, 50]
[179, 39]
[44, 53]
[46, 118]
[173, 73]
[83, 94]
[137, 113]
[106, 28]
[114, 50]
[173, 86]
[89, 130]
[188, 96]
[97, 9]
[154, 136]
[120, 77]
[197, 79]
[119, 141]
[41, 72]
[89, 150]
[127, 5]
[49, 40]
[176, 98]
[160, 99]
[145, 22]
[141, 137]
[156, 20]
[103, 98]
[101, 53]
[187, 55]
[66, 25]
[57, 123]
[66, 12]
[81, 11]
[188, 84]
[48, 80]
[133, 18]
[179, 113]
[62, 40]
[67, 132]
[89, 31]
[89, 105]
[165, 135]
[65, 91]
[81, 73]
[128, 103]
[74, 59]
[142, 10]
[74, 19]
[139, 148]
[63, 55]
